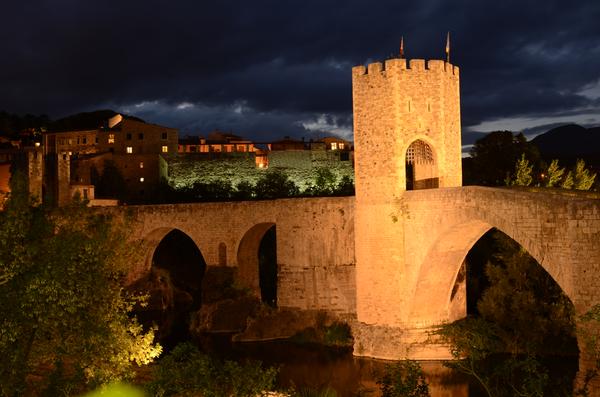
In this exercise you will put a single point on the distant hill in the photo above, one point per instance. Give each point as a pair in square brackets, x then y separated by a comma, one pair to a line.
[85, 121]
[570, 142]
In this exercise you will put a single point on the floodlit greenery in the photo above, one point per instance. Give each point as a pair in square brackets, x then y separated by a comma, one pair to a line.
[64, 311]
[273, 184]
[187, 371]
[522, 175]
[554, 174]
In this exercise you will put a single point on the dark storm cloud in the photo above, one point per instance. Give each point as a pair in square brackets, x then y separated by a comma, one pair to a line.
[288, 62]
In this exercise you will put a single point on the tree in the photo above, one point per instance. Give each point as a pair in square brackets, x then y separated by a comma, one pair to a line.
[275, 184]
[324, 183]
[63, 304]
[522, 175]
[523, 299]
[493, 157]
[244, 190]
[403, 379]
[554, 174]
[583, 179]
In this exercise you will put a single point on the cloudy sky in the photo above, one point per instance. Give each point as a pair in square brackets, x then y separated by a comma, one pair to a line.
[265, 69]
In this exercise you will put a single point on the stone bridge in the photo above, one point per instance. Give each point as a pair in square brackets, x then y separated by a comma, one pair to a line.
[408, 285]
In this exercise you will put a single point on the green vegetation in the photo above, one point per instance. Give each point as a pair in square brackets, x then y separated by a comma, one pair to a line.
[522, 175]
[502, 158]
[579, 178]
[64, 312]
[335, 334]
[187, 371]
[523, 317]
[403, 379]
[493, 158]
[273, 184]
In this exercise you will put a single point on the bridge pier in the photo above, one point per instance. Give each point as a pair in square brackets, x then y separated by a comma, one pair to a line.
[398, 343]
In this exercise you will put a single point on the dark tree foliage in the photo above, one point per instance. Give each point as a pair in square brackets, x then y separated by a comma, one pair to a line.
[188, 372]
[403, 379]
[12, 124]
[522, 316]
[530, 308]
[493, 158]
[275, 184]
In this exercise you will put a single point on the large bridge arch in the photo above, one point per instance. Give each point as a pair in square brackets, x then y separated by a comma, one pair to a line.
[432, 303]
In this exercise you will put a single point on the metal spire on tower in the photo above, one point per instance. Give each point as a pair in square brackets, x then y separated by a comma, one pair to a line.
[401, 46]
[448, 47]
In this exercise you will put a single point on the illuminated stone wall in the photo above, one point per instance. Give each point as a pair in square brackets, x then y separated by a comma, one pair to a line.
[315, 243]
[185, 169]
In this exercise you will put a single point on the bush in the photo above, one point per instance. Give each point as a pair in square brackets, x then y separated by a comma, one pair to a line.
[186, 371]
[403, 379]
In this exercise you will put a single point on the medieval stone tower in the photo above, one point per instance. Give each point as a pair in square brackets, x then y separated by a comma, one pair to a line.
[407, 136]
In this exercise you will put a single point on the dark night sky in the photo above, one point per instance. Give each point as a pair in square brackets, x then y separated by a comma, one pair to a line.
[264, 69]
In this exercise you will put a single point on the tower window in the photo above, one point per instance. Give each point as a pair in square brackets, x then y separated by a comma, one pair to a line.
[141, 136]
[129, 149]
[141, 164]
[128, 136]
[164, 135]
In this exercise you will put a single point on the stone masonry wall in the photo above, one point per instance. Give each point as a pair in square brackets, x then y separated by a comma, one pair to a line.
[315, 243]
[394, 106]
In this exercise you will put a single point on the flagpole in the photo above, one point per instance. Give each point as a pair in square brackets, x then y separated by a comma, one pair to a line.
[448, 47]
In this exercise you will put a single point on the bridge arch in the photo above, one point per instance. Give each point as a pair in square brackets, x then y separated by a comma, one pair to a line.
[421, 164]
[173, 278]
[257, 261]
[432, 303]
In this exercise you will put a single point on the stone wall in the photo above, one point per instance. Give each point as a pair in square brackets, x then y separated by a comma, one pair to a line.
[560, 230]
[315, 243]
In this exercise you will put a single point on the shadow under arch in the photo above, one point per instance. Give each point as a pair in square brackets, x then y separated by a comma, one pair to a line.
[432, 303]
[175, 271]
[421, 165]
[257, 262]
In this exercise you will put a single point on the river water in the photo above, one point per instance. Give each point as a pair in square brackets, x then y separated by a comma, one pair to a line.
[317, 367]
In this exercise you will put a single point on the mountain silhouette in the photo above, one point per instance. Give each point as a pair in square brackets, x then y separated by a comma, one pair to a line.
[569, 143]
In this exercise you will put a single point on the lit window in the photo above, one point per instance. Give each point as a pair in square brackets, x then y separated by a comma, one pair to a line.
[129, 149]
[165, 149]
[142, 179]
[111, 138]
[141, 164]
[333, 145]
[341, 146]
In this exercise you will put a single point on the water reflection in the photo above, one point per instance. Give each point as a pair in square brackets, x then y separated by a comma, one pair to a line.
[317, 367]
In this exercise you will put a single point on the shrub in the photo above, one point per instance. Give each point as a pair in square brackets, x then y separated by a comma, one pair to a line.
[186, 371]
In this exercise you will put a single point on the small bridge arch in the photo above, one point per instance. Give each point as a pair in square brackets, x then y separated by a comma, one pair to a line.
[252, 271]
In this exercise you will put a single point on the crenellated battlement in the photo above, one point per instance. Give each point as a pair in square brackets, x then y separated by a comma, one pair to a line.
[400, 64]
